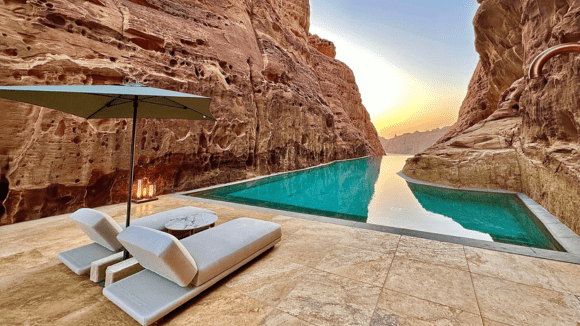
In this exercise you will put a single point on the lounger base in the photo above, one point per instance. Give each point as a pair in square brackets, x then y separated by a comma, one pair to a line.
[79, 259]
[99, 267]
[148, 297]
[119, 271]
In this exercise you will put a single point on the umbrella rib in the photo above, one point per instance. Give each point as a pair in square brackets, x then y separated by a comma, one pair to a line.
[186, 107]
[130, 101]
[108, 104]
[120, 102]
[167, 105]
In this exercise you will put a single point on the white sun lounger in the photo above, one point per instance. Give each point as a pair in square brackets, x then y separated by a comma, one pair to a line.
[103, 230]
[177, 271]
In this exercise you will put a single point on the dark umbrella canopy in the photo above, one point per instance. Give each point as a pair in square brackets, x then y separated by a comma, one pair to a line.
[114, 101]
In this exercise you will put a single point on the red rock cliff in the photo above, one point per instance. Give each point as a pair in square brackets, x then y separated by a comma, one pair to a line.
[281, 99]
[515, 133]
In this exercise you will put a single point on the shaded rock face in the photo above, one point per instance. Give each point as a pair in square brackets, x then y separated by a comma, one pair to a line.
[515, 133]
[412, 143]
[281, 100]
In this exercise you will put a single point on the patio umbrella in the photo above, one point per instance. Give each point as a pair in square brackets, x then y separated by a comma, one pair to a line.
[114, 101]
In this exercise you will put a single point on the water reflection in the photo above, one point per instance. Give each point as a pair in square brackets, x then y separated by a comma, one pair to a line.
[501, 216]
[342, 189]
[393, 204]
[369, 190]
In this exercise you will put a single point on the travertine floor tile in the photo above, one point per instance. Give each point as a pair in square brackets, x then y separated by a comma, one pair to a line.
[489, 322]
[279, 318]
[544, 273]
[358, 264]
[519, 304]
[444, 285]
[102, 313]
[45, 296]
[371, 240]
[268, 279]
[290, 224]
[305, 252]
[47, 238]
[394, 308]
[567, 275]
[318, 231]
[14, 267]
[326, 299]
[217, 307]
[434, 252]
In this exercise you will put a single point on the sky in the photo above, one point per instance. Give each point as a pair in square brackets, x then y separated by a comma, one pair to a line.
[412, 60]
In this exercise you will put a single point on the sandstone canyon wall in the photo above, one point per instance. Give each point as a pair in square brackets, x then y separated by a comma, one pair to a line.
[512, 132]
[281, 100]
[412, 143]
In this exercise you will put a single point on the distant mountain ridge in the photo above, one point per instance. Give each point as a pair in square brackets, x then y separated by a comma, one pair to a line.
[412, 143]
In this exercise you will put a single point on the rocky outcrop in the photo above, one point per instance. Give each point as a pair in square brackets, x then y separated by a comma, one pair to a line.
[324, 46]
[412, 143]
[512, 132]
[281, 100]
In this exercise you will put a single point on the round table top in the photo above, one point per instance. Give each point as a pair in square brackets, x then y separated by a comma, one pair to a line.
[191, 221]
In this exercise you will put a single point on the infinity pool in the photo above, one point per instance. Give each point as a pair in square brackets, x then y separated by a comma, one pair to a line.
[369, 190]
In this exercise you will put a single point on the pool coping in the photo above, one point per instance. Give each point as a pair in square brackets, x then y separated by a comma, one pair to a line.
[561, 233]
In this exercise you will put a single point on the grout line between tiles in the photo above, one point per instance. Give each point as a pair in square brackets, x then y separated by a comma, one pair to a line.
[434, 302]
[473, 285]
[392, 262]
[386, 278]
[348, 278]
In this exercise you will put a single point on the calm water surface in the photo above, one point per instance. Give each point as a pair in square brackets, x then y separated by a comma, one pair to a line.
[369, 190]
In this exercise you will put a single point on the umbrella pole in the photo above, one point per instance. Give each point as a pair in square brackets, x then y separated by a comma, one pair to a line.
[128, 219]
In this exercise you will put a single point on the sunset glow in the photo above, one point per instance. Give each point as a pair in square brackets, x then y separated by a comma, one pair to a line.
[416, 84]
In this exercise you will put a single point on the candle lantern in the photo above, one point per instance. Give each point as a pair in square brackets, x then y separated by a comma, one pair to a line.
[145, 191]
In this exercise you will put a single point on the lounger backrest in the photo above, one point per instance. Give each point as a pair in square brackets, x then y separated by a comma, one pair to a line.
[98, 226]
[159, 252]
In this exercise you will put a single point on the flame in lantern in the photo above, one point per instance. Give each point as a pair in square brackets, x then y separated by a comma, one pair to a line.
[139, 183]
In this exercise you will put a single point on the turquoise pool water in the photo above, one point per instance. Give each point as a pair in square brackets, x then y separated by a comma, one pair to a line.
[369, 190]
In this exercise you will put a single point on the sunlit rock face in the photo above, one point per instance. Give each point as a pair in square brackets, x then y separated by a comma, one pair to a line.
[281, 100]
[512, 132]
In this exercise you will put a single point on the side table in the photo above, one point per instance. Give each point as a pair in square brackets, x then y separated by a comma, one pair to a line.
[182, 227]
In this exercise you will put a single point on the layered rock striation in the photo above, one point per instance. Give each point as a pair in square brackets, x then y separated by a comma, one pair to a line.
[281, 100]
[512, 132]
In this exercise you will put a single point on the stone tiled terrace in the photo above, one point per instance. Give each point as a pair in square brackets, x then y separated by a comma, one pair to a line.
[320, 274]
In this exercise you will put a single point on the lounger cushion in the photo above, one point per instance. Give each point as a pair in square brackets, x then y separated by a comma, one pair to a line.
[79, 259]
[219, 248]
[159, 252]
[98, 226]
